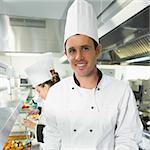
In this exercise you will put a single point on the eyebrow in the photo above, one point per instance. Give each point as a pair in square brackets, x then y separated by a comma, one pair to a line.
[86, 46]
[70, 48]
[82, 46]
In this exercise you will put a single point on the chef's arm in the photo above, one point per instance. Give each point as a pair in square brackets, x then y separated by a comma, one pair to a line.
[128, 133]
[51, 134]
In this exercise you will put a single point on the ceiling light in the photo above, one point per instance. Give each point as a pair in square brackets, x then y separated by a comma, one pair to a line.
[138, 59]
[22, 54]
[63, 58]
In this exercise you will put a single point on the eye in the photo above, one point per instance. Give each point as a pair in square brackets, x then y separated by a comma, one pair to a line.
[71, 50]
[85, 48]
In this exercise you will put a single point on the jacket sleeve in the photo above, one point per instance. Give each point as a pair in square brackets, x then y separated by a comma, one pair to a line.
[50, 132]
[39, 132]
[40, 110]
[128, 133]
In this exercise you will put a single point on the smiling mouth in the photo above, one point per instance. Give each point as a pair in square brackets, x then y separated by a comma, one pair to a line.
[80, 65]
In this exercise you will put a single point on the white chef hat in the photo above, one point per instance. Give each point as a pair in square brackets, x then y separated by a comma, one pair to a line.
[81, 19]
[39, 72]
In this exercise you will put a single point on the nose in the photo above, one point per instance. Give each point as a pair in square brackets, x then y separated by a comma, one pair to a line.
[79, 55]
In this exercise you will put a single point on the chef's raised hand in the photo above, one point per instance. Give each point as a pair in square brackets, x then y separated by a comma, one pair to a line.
[34, 112]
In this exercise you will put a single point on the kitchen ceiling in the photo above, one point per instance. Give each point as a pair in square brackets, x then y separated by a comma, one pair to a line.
[48, 9]
[38, 25]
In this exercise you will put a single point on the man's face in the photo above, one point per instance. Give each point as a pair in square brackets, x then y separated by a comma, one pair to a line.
[82, 54]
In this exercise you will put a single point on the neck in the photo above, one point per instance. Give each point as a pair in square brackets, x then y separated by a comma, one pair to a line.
[90, 81]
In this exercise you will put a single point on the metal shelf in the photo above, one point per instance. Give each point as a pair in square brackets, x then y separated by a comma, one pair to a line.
[146, 134]
[9, 113]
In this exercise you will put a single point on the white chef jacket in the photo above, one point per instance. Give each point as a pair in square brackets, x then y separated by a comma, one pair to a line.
[103, 118]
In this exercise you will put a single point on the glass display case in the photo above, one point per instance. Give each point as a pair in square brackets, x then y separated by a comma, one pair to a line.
[10, 106]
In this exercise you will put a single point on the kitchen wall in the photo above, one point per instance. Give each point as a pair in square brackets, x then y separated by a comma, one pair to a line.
[31, 36]
[121, 72]
[126, 72]
[20, 62]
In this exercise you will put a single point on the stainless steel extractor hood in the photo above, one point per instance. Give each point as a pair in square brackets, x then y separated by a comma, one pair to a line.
[6, 34]
[37, 35]
[129, 40]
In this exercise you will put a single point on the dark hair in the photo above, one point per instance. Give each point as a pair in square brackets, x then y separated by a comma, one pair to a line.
[95, 43]
[49, 82]
[55, 76]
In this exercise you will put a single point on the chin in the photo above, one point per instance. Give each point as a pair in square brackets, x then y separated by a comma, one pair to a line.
[81, 74]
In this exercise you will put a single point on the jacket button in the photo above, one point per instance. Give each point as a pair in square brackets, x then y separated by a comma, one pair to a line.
[91, 130]
[74, 130]
[92, 107]
[72, 88]
[98, 89]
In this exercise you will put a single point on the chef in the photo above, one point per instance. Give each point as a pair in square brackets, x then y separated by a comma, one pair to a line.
[41, 79]
[89, 110]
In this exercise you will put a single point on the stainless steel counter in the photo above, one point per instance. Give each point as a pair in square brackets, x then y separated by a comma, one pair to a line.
[9, 112]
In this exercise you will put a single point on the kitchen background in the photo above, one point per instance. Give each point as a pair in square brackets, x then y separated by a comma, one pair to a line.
[31, 29]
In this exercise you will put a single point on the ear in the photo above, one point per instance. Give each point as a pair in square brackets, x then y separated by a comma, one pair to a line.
[65, 52]
[46, 86]
[98, 50]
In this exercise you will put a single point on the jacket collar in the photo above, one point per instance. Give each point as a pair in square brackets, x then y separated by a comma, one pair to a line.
[99, 77]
